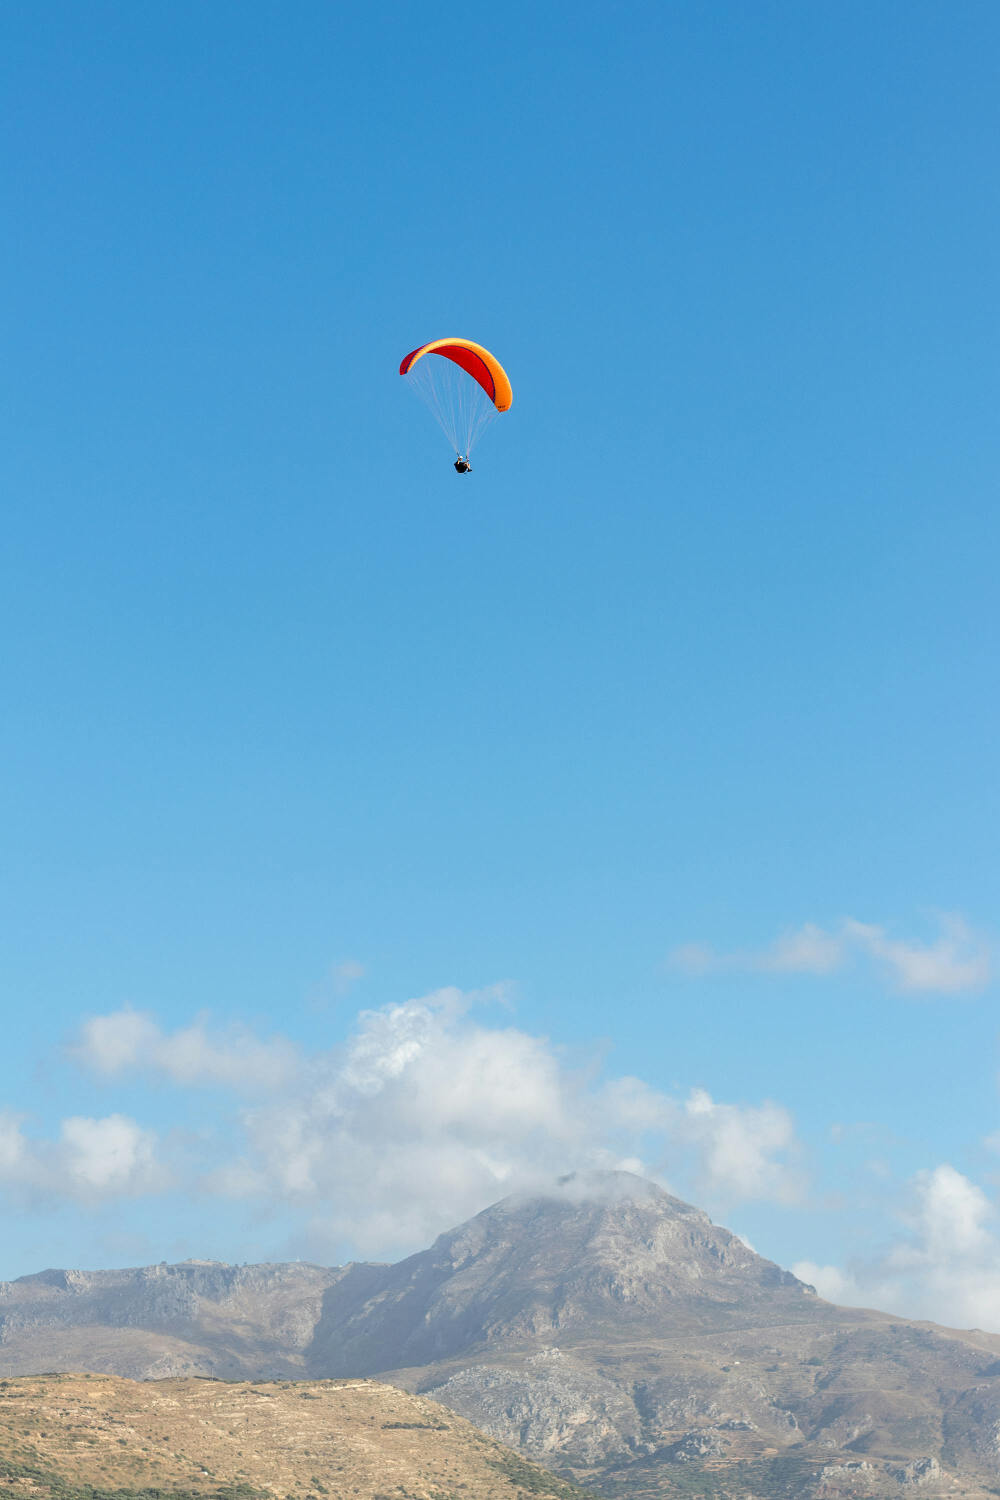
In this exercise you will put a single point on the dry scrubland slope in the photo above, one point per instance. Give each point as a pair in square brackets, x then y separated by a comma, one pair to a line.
[65, 1437]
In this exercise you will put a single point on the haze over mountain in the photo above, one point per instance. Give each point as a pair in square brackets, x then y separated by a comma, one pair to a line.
[609, 1329]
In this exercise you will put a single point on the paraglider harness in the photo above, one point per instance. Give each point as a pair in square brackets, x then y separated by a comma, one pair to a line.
[462, 465]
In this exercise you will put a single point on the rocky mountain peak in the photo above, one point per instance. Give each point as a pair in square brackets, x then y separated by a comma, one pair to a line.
[611, 1230]
[591, 1253]
[609, 1213]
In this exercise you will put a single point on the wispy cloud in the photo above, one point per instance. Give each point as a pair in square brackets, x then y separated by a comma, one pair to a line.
[958, 960]
[127, 1039]
[344, 975]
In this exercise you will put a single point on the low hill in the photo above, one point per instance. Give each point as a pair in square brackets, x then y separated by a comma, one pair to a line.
[83, 1437]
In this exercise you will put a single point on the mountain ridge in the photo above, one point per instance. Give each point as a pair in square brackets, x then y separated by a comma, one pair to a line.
[606, 1329]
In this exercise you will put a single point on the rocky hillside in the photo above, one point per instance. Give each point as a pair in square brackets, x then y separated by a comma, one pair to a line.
[608, 1330]
[197, 1318]
[83, 1437]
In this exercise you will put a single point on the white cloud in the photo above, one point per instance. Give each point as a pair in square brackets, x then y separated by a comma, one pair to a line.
[830, 1282]
[630, 1104]
[128, 1039]
[92, 1159]
[429, 1112]
[427, 1115]
[958, 961]
[945, 1265]
[110, 1044]
[111, 1157]
[14, 1161]
[949, 1218]
[745, 1151]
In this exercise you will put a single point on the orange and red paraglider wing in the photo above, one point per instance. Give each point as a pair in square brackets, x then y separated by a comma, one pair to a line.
[475, 360]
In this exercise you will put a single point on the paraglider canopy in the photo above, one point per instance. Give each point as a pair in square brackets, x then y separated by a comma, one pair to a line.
[478, 362]
[463, 384]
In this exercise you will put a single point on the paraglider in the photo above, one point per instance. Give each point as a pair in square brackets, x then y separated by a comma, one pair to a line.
[464, 385]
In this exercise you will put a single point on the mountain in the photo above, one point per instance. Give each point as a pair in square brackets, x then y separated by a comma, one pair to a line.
[607, 1329]
[609, 1255]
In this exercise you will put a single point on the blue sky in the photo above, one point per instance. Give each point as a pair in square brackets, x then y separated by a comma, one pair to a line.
[662, 748]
